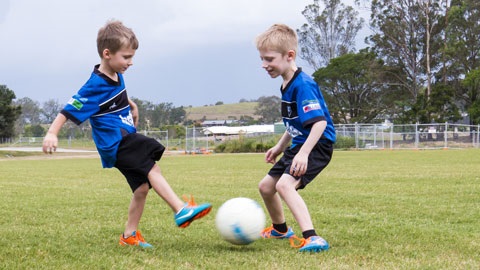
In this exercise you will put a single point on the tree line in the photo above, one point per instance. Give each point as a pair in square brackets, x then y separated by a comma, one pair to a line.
[421, 64]
[29, 118]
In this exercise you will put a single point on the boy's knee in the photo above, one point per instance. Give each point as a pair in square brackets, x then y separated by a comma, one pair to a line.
[142, 190]
[283, 186]
[266, 187]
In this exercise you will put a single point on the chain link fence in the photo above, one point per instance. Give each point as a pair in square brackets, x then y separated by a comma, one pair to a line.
[413, 136]
[349, 136]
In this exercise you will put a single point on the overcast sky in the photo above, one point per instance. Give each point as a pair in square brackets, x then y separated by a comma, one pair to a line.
[192, 52]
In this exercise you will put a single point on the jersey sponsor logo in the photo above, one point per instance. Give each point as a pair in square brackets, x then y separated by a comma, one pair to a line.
[127, 120]
[311, 107]
[76, 103]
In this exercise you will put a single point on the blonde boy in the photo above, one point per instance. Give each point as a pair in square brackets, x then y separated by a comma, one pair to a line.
[306, 144]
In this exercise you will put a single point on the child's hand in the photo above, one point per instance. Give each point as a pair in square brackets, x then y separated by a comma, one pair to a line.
[299, 164]
[50, 143]
[271, 155]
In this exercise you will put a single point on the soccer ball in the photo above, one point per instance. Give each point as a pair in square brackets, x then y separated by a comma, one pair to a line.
[240, 221]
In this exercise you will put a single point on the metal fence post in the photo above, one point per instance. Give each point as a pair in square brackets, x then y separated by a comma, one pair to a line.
[478, 135]
[356, 135]
[391, 136]
[416, 135]
[445, 133]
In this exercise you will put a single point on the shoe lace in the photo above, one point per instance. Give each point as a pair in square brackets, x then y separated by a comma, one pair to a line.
[190, 202]
[139, 237]
[267, 231]
[295, 239]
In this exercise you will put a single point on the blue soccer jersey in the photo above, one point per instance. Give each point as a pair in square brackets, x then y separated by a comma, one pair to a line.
[303, 105]
[105, 103]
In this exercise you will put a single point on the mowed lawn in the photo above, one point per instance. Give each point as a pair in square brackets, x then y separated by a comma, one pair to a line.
[378, 210]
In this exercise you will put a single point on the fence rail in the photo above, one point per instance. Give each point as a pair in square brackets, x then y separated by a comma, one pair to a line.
[360, 136]
[413, 136]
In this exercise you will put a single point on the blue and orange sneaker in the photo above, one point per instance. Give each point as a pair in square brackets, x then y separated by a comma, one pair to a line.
[270, 232]
[311, 244]
[190, 212]
[136, 239]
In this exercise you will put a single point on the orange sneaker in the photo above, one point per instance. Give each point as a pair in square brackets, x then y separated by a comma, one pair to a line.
[136, 239]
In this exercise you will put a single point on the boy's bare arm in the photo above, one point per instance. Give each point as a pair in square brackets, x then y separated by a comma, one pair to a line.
[272, 153]
[134, 110]
[50, 142]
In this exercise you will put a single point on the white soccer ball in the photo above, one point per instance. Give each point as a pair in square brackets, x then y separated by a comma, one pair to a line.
[240, 221]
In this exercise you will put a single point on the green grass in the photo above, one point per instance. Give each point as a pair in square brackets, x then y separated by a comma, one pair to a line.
[377, 209]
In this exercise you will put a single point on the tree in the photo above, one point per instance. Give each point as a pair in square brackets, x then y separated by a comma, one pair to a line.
[353, 88]
[409, 36]
[34, 131]
[31, 111]
[268, 108]
[472, 82]
[441, 104]
[432, 14]
[463, 48]
[9, 112]
[328, 33]
[50, 110]
[399, 40]
[154, 116]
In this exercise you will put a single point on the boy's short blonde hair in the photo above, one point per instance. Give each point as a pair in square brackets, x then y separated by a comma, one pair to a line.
[114, 36]
[279, 38]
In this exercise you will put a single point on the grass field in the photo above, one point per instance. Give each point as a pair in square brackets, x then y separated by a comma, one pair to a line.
[377, 209]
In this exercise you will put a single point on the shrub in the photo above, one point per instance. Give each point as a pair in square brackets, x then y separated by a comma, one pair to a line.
[344, 142]
[247, 145]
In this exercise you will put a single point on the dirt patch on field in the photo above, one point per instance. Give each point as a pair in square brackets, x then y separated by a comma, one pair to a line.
[20, 155]
[5, 156]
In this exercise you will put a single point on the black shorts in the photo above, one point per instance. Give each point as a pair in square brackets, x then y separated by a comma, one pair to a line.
[318, 159]
[136, 156]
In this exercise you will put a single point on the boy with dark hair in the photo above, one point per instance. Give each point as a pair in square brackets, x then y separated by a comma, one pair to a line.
[113, 116]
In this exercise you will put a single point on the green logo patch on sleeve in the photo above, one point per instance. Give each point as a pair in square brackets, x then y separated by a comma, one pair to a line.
[75, 103]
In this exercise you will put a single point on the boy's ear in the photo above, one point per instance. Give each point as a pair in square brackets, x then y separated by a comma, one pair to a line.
[106, 54]
[291, 54]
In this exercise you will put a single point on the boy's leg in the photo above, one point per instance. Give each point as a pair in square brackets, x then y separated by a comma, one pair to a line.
[135, 209]
[273, 202]
[271, 199]
[163, 189]
[185, 213]
[286, 187]
[310, 242]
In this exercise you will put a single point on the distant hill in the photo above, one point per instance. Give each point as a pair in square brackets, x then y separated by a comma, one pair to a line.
[222, 112]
